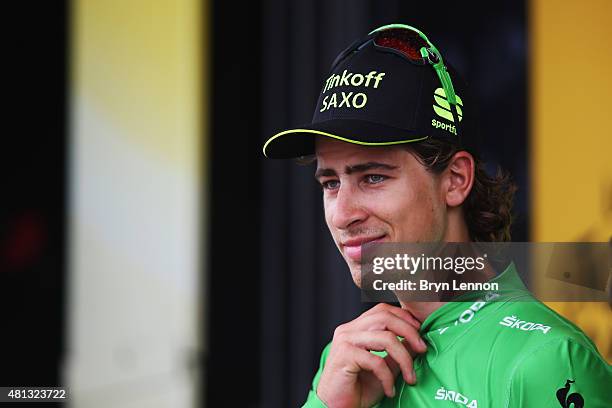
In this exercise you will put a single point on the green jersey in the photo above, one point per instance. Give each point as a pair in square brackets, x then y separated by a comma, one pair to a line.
[500, 349]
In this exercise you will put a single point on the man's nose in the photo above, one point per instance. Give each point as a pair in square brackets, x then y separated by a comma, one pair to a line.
[348, 209]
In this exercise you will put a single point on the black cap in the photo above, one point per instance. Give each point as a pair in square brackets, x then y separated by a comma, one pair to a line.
[375, 96]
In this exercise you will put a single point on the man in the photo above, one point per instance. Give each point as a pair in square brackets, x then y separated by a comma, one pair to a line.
[393, 138]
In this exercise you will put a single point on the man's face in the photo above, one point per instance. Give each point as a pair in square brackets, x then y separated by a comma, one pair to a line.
[381, 194]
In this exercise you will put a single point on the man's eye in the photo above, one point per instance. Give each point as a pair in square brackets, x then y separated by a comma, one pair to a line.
[330, 184]
[375, 178]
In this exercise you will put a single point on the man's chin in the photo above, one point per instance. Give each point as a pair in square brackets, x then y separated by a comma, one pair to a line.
[356, 273]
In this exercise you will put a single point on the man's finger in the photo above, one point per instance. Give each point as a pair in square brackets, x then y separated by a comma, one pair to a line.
[386, 320]
[378, 366]
[386, 341]
[405, 315]
[398, 311]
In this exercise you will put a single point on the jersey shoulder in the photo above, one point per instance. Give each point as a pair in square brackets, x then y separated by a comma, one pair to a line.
[548, 360]
[530, 324]
[565, 370]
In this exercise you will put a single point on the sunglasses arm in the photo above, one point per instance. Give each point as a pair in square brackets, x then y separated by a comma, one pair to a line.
[449, 90]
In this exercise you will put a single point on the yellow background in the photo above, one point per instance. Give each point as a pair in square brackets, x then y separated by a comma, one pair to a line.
[571, 136]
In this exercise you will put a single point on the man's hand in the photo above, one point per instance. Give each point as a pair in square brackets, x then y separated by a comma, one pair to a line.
[354, 377]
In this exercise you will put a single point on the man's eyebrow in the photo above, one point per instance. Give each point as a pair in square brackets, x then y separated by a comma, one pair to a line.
[324, 173]
[360, 168]
[355, 168]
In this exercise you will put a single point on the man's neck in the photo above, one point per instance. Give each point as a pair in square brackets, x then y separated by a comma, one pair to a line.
[456, 231]
[421, 310]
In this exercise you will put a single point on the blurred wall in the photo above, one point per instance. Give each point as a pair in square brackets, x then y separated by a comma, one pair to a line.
[571, 142]
[136, 178]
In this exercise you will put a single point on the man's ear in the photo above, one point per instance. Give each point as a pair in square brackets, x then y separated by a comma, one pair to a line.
[460, 178]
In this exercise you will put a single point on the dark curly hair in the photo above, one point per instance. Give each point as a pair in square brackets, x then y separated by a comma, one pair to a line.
[488, 207]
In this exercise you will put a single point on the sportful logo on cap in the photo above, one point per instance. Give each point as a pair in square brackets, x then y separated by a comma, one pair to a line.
[443, 109]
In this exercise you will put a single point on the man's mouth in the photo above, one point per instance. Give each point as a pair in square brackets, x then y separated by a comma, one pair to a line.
[352, 247]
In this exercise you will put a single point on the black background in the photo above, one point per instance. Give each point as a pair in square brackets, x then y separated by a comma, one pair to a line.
[33, 193]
